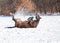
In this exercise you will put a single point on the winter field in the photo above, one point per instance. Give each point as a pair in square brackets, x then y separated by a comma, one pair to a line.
[47, 31]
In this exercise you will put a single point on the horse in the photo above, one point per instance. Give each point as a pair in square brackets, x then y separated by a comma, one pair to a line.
[30, 23]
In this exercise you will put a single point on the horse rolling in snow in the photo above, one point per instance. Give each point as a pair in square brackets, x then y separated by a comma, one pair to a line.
[30, 23]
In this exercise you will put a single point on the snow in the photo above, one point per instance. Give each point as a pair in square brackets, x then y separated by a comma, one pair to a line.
[47, 31]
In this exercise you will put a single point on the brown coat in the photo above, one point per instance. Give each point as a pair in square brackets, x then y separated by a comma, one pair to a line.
[27, 24]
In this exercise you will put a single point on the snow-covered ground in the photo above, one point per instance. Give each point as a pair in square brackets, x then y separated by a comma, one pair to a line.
[48, 31]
